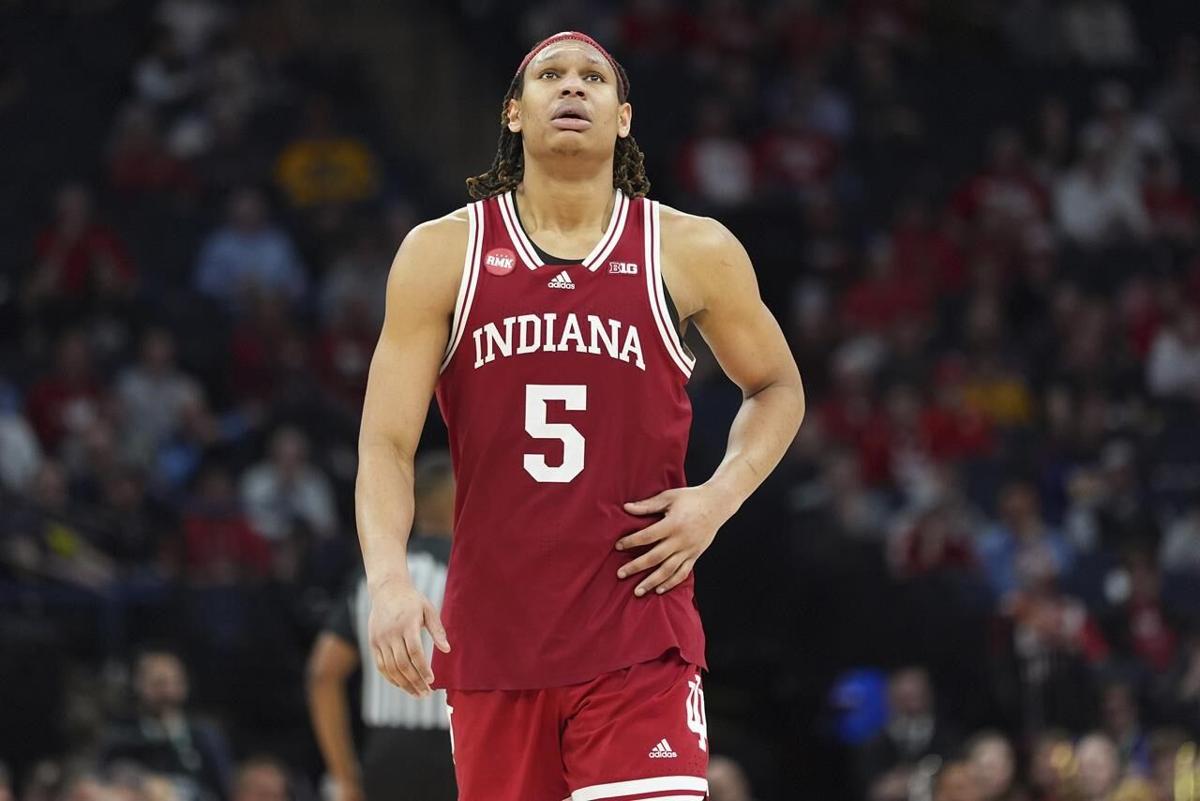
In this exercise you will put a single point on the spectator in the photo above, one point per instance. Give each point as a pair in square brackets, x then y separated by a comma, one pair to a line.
[69, 399]
[20, 453]
[1049, 763]
[136, 530]
[78, 258]
[162, 734]
[220, 547]
[956, 782]
[1098, 206]
[1100, 33]
[287, 490]
[152, 395]
[1021, 550]
[1052, 149]
[165, 78]
[1177, 101]
[1165, 746]
[913, 730]
[1128, 138]
[994, 767]
[1033, 30]
[1099, 768]
[936, 540]
[324, 167]
[139, 162]
[354, 283]
[727, 781]
[1173, 367]
[883, 298]
[200, 433]
[261, 778]
[1170, 206]
[1120, 717]
[715, 165]
[1006, 195]
[794, 158]
[249, 256]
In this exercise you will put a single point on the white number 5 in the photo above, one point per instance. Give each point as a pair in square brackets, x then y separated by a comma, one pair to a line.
[575, 399]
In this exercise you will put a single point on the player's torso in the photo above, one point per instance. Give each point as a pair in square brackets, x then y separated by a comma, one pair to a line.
[564, 394]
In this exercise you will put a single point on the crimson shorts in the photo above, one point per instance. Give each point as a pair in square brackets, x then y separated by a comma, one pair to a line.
[634, 734]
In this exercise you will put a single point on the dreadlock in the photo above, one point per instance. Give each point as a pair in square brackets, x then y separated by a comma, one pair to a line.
[508, 167]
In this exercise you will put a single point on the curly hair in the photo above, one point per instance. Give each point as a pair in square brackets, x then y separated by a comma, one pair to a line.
[508, 167]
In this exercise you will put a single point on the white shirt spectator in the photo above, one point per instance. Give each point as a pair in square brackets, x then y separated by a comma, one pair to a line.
[1097, 205]
[20, 454]
[1100, 33]
[151, 405]
[288, 489]
[192, 22]
[1180, 551]
[273, 501]
[1173, 367]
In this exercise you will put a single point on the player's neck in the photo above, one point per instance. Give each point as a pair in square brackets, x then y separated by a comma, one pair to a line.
[565, 204]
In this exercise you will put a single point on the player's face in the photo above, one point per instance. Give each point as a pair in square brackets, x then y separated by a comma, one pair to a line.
[569, 102]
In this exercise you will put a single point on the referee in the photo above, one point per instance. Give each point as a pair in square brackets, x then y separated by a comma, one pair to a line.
[407, 754]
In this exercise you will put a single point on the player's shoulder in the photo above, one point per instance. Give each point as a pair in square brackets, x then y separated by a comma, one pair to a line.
[430, 259]
[440, 235]
[686, 233]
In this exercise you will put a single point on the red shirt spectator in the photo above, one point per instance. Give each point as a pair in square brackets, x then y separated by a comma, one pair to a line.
[343, 357]
[895, 21]
[75, 253]
[883, 297]
[795, 156]
[1170, 206]
[925, 253]
[67, 399]
[1007, 189]
[654, 28]
[219, 546]
[803, 31]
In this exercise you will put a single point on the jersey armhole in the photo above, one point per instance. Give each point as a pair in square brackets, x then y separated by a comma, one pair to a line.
[468, 282]
[674, 319]
[665, 317]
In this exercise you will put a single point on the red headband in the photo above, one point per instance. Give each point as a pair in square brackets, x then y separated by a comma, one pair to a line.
[623, 84]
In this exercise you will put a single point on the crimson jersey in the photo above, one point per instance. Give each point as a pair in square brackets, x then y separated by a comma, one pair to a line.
[563, 388]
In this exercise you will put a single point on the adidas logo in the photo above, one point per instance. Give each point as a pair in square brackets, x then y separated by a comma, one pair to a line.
[662, 750]
[561, 281]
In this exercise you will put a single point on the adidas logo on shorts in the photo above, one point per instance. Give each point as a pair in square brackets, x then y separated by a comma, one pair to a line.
[561, 281]
[662, 750]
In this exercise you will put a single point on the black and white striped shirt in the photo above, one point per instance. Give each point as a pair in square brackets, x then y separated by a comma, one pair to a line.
[383, 703]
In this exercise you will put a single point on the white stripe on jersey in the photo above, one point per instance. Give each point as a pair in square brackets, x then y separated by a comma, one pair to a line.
[470, 277]
[661, 318]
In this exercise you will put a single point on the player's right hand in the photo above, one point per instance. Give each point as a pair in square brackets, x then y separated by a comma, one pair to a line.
[398, 613]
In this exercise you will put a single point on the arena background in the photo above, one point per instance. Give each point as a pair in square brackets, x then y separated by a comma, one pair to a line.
[976, 221]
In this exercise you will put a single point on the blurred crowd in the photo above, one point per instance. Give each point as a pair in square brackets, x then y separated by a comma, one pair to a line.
[974, 219]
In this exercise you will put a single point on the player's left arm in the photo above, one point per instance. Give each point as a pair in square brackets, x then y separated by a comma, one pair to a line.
[752, 350]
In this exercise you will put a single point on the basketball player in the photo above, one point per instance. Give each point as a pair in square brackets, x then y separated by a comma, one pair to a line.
[546, 317]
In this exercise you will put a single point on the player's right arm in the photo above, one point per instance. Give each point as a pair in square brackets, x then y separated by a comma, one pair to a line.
[421, 292]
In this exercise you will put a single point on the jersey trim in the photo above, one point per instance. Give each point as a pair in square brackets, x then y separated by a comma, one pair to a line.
[520, 242]
[654, 290]
[659, 784]
[616, 227]
[529, 252]
[470, 278]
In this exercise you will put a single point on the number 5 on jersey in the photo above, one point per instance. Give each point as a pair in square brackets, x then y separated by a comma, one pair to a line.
[574, 397]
